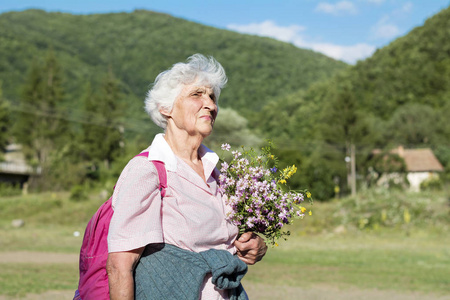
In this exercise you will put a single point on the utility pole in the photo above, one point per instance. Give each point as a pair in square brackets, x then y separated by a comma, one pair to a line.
[353, 169]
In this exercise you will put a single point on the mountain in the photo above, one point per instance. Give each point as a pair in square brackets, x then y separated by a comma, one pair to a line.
[399, 96]
[137, 46]
[413, 69]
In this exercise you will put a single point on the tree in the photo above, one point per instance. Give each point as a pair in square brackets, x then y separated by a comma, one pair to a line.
[276, 120]
[344, 129]
[232, 128]
[414, 124]
[4, 122]
[41, 126]
[103, 133]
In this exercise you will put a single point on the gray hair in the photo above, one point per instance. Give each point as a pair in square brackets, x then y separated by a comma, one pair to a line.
[168, 84]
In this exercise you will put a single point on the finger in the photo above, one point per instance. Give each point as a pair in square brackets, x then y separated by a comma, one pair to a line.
[244, 246]
[247, 260]
[245, 237]
[250, 255]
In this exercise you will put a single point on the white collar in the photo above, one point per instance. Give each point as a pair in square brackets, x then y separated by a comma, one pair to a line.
[160, 150]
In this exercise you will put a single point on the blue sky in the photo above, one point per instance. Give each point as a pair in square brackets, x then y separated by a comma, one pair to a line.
[348, 30]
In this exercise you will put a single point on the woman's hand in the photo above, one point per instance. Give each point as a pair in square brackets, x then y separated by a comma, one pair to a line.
[250, 248]
[120, 267]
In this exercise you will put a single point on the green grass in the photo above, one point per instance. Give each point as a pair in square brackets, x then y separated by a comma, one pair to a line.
[41, 239]
[20, 279]
[391, 261]
[389, 254]
[50, 222]
[49, 209]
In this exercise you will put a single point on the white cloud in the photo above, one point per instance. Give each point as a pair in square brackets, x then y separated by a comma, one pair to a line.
[407, 7]
[376, 1]
[270, 29]
[350, 54]
[339, 8]
[292, 34]
[384, 29]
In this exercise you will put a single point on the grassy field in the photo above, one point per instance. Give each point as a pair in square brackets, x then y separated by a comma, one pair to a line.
[388, 251]
[382, 261]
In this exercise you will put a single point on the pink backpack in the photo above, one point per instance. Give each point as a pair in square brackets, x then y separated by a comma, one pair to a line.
[93, 283]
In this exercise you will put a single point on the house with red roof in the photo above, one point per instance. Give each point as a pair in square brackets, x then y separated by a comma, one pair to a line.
[421, 164]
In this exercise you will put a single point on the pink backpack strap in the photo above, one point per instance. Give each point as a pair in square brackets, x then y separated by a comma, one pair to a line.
[162, 174]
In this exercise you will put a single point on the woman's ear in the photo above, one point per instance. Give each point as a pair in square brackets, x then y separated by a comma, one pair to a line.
[164, 112]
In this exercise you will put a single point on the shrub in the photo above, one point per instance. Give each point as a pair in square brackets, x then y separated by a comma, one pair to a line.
[390, 208]
[431, 184]
[9, 189]
[78, 193]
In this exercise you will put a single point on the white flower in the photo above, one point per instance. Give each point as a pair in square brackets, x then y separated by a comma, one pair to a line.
[224, 167]
[236, 154]
[225, 147]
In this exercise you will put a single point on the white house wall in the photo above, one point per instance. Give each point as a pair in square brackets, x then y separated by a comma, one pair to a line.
[416, 178]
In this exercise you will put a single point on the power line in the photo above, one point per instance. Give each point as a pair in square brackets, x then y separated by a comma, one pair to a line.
[91, 118]
[79, 116]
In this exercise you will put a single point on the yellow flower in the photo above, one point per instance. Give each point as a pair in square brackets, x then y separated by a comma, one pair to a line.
[282, 181]
[302, 209]
[308, 195]
[384, 215]
[310, 213]
[276, 244]
[289, 171]
[406, 216]
[272, 157]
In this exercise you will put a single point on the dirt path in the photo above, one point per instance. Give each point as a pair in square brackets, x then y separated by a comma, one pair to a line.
[264, 292]
[260, 292]
[38, 257]
[255, 291]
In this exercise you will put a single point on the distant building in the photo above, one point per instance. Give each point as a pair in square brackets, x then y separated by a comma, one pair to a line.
[14, 169]
[421, 164]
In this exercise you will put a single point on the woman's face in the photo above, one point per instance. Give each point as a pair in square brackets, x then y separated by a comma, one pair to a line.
[195, 110]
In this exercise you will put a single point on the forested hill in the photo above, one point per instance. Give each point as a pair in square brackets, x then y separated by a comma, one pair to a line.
[413, 69]
[137, 46]
[410, 74]
[399, 96]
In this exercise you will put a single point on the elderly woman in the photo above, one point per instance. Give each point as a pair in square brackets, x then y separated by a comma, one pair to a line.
[191, 215]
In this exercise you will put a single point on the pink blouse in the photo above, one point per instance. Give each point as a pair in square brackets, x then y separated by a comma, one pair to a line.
[191, 215]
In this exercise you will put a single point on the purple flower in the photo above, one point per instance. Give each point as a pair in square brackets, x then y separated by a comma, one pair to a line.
[250, 222]
[225, 147]
[230, 181]
[300, 214]
[224, 167]
[273, 170]
[236, 154]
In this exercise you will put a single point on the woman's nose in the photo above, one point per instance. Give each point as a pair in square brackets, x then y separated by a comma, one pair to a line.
[208, 102]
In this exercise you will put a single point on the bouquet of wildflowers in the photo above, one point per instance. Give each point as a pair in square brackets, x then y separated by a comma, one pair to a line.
[258, 195]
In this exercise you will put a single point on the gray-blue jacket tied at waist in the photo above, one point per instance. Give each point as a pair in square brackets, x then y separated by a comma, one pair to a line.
[168, 272]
